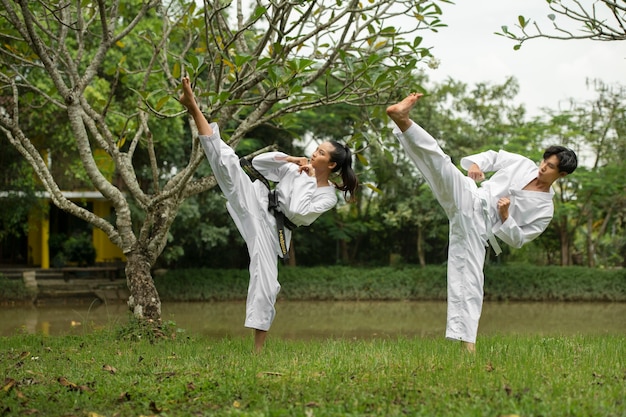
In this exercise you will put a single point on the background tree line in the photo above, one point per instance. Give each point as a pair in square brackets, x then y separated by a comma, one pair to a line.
[396, 218]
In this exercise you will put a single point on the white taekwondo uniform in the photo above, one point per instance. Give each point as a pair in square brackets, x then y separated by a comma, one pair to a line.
[299, 198]
[474, 219]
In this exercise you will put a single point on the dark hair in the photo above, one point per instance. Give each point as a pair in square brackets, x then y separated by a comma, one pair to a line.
[342, 156]
[567, 158]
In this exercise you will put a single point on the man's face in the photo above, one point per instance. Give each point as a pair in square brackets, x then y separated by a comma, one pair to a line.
[549, 170]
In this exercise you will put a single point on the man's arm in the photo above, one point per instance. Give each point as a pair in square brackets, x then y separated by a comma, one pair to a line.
[475, 173]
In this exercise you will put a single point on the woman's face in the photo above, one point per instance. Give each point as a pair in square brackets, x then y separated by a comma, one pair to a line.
[320, 160]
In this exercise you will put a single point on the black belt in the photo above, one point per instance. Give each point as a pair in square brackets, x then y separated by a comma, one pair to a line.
[282, 221]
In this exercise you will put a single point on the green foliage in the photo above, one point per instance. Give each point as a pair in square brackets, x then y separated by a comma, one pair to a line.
[17, 180]
[135, 330]
[183, 376]
[202, 284]
[13, 290]
[512, 282]
[194, 241]
[341, 283]
[76, 248]
[553, 283]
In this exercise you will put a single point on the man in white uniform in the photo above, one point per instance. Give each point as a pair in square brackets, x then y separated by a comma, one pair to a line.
[515, 205]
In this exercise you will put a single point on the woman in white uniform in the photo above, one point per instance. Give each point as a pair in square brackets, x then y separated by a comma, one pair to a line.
[304, 191]
[515, 205]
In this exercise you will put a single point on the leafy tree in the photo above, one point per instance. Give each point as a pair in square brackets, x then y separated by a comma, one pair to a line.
[105, 73]
[597, 209]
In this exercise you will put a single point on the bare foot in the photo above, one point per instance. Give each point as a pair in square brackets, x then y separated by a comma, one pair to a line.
[187, 99]
[259, 340]
[399, 112]
[468, 347]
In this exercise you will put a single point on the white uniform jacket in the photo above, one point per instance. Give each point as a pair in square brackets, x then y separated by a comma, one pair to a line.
[530, 212]
[299, 197]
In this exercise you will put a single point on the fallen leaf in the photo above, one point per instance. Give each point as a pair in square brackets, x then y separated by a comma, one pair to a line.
[93, 414]
[154, 408]
[125, 396]
[109, 368]
[8, 384]
[28, 381]
[236, 404]
[268, 373]
[24, 355]
[165, 375]
[63, 381]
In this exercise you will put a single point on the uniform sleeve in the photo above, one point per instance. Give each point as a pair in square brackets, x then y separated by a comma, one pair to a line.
[307, 202]
[272, 165]
[516, 236]
[490, 161]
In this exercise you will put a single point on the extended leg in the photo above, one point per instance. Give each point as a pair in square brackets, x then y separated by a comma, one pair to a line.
[188, 100]
[259, 339]
[455, 192]
[248, 208]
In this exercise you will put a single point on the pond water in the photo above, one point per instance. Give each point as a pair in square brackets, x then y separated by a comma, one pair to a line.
[305, 320]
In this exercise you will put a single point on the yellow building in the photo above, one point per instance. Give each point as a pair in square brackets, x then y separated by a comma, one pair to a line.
[39, 229]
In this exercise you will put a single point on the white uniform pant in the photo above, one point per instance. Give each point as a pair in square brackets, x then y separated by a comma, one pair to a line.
[459, 198]
[247, 205]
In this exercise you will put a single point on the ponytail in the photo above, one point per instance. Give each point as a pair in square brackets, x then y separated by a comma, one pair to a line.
[342, 156]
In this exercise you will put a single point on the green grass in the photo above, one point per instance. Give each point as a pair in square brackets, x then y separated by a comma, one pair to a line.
[114, 374]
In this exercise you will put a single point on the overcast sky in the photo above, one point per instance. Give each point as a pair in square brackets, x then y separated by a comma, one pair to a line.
[549, 71]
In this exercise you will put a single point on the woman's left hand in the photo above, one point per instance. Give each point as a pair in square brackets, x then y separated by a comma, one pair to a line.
[308, 169]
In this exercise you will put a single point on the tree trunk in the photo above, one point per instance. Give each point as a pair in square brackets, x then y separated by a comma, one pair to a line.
[420, 247]
[144, 300]
[343, 251]
[591, 253]
[292, 254]
[565, 247]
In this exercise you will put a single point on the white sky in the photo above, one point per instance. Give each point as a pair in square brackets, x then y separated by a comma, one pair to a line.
[549, 71]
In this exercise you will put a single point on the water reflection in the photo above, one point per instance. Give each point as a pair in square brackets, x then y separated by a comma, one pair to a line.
[302, 320]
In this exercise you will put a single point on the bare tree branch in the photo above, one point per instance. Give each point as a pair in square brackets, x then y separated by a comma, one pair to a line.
[603, 20]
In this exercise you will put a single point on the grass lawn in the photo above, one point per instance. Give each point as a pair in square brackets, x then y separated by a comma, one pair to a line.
[115, 373]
